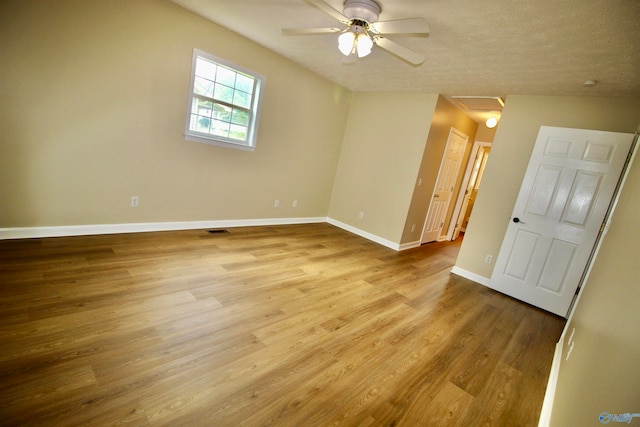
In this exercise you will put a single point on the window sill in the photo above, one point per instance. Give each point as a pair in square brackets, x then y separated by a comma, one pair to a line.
[218, 142]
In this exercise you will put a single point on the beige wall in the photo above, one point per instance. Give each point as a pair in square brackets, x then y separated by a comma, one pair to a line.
[603, 373]
[445, 117]
[521, 119]
[93, 98]
[485, 134]
[383, 144]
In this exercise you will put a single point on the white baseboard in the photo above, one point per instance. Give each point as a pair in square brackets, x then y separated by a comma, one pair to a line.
[83, 230]
[410, 245]
[471, 276]
[365, 234]
[93, 229]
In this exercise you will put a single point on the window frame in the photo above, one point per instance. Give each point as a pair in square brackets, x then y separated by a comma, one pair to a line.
[253, 110]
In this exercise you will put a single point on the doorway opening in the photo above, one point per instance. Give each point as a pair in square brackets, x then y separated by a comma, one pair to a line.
[469, 189]
[459, 178]
[443, 224]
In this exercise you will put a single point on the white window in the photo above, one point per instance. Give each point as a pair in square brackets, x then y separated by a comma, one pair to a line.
[224, 102]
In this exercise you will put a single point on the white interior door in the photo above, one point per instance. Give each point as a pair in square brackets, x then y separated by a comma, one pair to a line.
[563, 200]
[443, 193]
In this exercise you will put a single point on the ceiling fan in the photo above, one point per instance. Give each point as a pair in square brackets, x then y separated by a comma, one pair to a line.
[363, 30]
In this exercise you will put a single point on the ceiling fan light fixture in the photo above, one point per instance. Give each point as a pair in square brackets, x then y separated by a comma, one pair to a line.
[345, 42]
[363, 45]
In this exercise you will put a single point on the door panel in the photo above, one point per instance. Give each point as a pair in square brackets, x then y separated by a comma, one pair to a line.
[583, 194]
[544, 190]
[556, 266]
[522, 254]
[567, 188]
[434, 221]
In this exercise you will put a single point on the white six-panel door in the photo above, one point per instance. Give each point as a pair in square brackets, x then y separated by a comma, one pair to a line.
[447, 176]
[564, 197]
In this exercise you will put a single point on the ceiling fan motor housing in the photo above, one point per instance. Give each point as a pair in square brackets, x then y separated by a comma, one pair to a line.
[362, 10]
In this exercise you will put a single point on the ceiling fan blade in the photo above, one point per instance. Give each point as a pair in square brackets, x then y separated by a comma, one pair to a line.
[309, 31]
[327, 9]
[408, 27]
[399, 50]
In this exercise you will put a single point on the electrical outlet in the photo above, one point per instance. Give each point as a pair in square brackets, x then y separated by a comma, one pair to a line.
[295, 204]
[488, 259]
[134, 201]
[413, 228]
[361, 215]
[276, 204]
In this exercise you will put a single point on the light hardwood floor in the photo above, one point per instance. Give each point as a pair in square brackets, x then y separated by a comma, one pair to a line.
[299, 325]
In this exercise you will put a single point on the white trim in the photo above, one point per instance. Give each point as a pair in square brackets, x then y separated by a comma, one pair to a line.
[82, 230]
[93, 229]
[409, 245]
[365, 234]
[471, 276]
[549, 395]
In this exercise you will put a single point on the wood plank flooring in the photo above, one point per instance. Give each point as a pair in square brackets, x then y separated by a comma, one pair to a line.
[298, 325]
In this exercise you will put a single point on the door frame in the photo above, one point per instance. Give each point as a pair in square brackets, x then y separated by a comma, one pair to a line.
[463, 185]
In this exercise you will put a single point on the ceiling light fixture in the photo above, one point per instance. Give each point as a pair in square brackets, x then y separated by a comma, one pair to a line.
[491, 122]
[356, 39]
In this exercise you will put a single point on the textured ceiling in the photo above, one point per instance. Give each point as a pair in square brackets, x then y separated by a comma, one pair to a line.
[488, 48]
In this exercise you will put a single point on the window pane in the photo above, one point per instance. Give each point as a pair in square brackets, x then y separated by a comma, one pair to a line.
[203, 87]
[205, 68]
[238, 132]
[223, 93]
[200, 124]
[242, 99]
[220, 128]
[222, 112]
[244, 83]
[240, 117]
[226, 76]
[202, 107]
